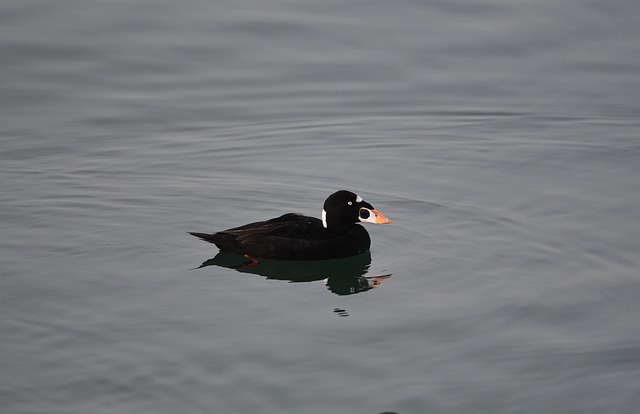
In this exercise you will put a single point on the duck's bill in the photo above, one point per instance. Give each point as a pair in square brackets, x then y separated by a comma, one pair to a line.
[368, 215]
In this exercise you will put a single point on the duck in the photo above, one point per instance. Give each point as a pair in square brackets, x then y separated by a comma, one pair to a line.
[294, 236]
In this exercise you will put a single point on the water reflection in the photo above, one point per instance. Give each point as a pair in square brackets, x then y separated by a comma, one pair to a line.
[342, 276]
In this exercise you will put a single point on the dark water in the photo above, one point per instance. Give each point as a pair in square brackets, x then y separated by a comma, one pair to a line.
[503, 139]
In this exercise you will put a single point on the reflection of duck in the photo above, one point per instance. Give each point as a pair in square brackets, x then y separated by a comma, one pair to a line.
[297, 237]
[342, 276]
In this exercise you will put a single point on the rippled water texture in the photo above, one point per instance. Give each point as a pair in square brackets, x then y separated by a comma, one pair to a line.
[502, 138]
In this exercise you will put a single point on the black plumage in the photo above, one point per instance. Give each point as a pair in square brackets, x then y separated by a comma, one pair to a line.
[297, 237]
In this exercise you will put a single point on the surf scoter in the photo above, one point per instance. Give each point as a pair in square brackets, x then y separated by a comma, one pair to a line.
[297, 237]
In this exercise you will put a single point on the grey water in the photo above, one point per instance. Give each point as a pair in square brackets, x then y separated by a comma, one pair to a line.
[501, 137]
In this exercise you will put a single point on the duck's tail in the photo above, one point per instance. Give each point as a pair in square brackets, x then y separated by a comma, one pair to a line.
[204, 236]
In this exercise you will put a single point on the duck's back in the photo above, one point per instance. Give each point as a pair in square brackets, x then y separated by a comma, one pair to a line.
[290, 237]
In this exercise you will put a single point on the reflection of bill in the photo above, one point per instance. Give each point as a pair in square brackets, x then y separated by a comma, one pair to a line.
[342, 276]
[351, 285]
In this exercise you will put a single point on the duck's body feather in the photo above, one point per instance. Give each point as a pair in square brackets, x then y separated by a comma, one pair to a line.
[291, 237]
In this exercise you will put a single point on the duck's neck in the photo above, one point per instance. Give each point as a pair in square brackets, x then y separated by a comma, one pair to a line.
[337, 227]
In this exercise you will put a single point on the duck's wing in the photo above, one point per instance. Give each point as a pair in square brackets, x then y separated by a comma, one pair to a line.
[290, 225]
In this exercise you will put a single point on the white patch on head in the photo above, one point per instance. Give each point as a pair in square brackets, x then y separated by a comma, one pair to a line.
[358, 199]
[370, 219]
[324, 218]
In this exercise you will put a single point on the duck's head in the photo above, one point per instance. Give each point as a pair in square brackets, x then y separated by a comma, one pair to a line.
[343, 209]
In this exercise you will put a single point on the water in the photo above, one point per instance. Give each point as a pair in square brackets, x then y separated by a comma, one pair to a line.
[502, 138]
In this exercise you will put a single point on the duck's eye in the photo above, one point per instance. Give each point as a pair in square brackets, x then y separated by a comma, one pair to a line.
[364, 213]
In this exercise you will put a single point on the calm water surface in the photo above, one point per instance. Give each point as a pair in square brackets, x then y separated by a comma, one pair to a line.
[503, 139]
